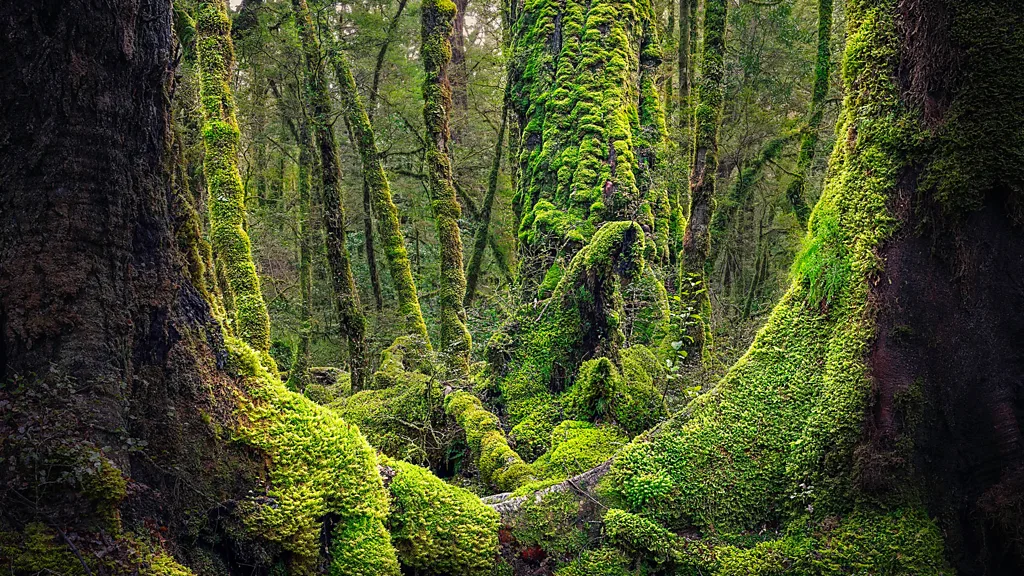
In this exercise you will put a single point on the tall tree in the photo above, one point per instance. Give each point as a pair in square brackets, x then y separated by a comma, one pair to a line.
[796, 192]
[482, 234]
[220, 165]
[707, 114]
[351, 320]
[436, 52]
[376, 182]
[298, 376]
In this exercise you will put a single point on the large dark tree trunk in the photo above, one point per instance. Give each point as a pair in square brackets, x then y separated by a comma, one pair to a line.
[107, 352]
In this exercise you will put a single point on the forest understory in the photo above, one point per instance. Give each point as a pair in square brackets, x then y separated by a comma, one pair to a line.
[512, 287]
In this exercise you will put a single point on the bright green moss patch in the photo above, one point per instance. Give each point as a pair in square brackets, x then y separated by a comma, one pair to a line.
[601, 394]
[577, 447]
[320, 466]
[437, 527]
[499, 465]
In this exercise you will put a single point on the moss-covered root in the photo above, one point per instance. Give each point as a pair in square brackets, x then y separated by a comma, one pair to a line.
[455, 342]
[220, 164]
[388, 224]
[500, 466]
[437, 527]
[351, 321]
[697, 237]
[321, 470]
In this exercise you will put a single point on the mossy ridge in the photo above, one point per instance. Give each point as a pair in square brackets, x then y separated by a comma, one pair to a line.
[773, 441]
[319, 466]
[437, 527]
[592, 128]
[220, 165]
[402, 413]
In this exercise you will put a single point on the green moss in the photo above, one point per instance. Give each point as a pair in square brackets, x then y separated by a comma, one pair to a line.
[552, 522]
[577, 447]
[437, 527]
[319, 466]
[220, 165]
[499, 465]
[38, 549]
[599, 562]
[537, 351]
[532, 436]
[601, 394]
[593, 128]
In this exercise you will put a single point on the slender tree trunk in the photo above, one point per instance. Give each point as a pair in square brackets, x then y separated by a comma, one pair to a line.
[459, 74]
[350, 315]
[437, 18]
[298, 378]
[706, 119]
[227, 198]
[797, 190]
[484, 223]
[376, 185]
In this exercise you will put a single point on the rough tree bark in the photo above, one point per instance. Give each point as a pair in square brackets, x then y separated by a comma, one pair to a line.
[350, 315]
[108, 353]
[436, 52]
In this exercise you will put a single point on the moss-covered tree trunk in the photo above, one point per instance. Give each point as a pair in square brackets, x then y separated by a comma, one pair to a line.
[874, 420]
[796, 191]
[707, 113]
[298, 377]
[483, 231]
[220, 164]
[436, 52]
[376, 182]
[584, 94]
[350, 315]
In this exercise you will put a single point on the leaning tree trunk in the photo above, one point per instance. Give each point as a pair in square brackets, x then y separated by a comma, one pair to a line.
[707, 114]
[379, 189]
[350, 315]
[220, 165]
[437, 17]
